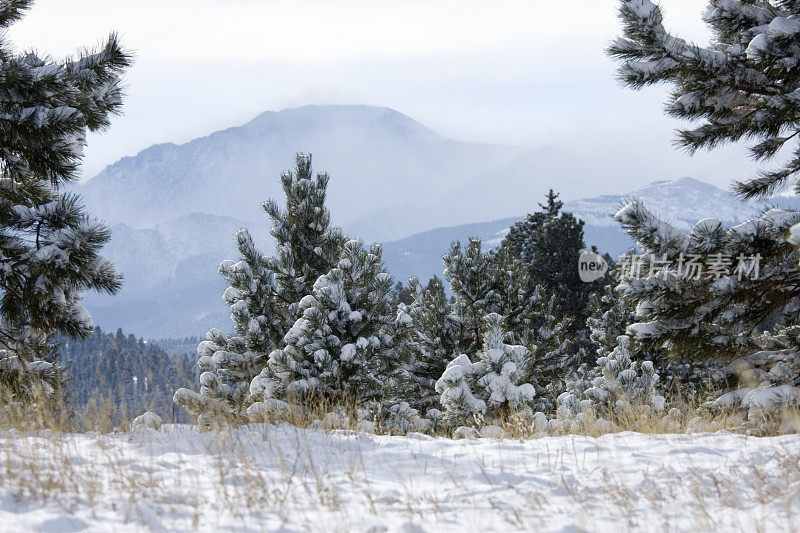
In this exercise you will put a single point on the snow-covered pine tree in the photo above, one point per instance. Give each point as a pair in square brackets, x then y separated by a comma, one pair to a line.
[519, 235]
[264, 294]
[342, 348]
[619, 388]
[432, 342]
[307, 246]
[510, 295]
[230, 362]
[613, 314]
[534, 319]
[610, 318]
[494, 282]
[470, 275]
[498, 282]
[624, 384]
[49, 247]
[549, 243]
[741, 86]
[719, 313]
[493, 386]
[547, 334]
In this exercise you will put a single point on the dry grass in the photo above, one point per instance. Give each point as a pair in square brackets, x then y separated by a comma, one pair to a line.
[103, 416]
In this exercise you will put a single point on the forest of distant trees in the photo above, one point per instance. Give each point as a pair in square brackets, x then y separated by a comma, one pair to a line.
[125, 375]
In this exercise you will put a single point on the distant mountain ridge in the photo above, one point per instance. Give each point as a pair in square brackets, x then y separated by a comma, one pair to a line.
[391, 177]
[682, 202]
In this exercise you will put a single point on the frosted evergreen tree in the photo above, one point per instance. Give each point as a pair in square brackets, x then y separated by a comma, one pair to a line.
[493, 386]
[460, 404]
[696, 311]
[618, 388]
[49, 247]
[547, 332]
[470, 272]
[264, 294]
[307, 246]
[432, 342]
[612, 315]
[751, 57]
[494, 282]
[511, 295]
[230, 362]
[624, 384]
[342, 348]
[498, 282]
[741, 86]
[610, 318]
[519, 235]
[549, 243]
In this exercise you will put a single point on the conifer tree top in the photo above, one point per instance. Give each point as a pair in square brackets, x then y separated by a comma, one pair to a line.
[46, 106]
[743, 85]
[554, 205]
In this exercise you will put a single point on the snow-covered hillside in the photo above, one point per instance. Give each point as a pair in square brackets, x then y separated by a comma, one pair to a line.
[682, 202]
[281, 478]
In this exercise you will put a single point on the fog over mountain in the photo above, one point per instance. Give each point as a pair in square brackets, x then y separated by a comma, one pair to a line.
[513, 187]
[173, 210]
[377, 158]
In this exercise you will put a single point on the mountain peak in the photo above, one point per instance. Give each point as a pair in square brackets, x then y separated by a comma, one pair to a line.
[685, 182]
[345, 116]
[682, 202]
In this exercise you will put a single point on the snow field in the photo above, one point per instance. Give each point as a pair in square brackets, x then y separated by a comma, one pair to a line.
[280, 477]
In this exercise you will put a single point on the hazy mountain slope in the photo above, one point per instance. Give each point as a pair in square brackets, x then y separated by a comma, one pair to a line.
[516, 186]
[377, 158]
[188, 303]
[145, 257]
[421, 255]
[171, 285]
[682, 202]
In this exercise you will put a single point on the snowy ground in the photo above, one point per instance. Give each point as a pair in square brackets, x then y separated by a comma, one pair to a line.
[267, 478]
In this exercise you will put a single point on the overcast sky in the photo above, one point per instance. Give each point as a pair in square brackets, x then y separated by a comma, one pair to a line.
[528, 72]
